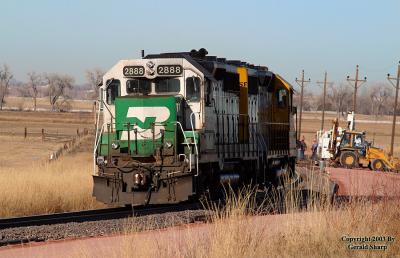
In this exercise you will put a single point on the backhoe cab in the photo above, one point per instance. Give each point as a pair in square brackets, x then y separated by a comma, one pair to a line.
[352, 150]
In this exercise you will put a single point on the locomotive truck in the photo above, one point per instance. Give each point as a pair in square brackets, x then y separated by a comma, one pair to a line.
[174, 127]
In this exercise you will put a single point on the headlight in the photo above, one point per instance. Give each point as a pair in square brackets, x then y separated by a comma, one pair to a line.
[115, 145]
[100, 160]
[168, 144]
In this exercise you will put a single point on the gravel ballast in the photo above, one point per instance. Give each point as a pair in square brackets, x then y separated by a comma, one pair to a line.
[99, 228]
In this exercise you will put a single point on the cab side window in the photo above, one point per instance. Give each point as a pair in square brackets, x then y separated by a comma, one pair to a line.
[281, 96]
[113, 90]
[193, 88]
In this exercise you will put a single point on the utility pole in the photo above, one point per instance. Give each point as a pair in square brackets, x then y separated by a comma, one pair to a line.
[356, 86]
[391, 79]
[325, 82]
[301, 84]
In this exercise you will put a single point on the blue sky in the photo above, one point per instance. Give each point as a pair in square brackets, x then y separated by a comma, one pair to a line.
[287, 36]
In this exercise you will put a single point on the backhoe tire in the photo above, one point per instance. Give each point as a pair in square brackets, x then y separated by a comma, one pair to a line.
[378, 165]
[348, 159]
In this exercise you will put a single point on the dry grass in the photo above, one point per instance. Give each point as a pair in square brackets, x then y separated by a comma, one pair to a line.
[316, 232]
[17, 152]
[38, 188]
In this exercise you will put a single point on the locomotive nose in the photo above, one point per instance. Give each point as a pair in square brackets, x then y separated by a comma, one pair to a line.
[151, 121]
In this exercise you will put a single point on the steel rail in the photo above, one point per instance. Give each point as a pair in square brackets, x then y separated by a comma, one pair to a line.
[93, 215]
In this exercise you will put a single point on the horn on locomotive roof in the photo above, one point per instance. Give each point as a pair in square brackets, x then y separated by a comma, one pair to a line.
[201, 53]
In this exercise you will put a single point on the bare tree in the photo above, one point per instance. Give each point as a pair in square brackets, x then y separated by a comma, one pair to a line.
[34, 81]
[307, 100]
[319, 102]
[5, 78]
[340, 97]
[57, 86]
[380, 95]
[20, 89]
[94, 78]
[364, 105]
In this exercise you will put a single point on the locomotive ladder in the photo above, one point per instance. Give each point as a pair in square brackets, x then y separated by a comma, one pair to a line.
[262, 150]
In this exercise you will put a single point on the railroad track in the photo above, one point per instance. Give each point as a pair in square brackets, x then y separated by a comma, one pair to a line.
[93, 215]
[101, 214]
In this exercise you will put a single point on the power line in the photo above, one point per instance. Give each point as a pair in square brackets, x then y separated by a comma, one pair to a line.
[396, 86]
[356, 86]
[301, 84]
[325, 82]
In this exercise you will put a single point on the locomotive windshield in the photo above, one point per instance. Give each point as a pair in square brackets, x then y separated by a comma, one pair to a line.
[169, 85]
[142, 86]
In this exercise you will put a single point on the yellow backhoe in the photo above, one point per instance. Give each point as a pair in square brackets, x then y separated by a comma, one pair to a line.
[350, 149]
[354, 151]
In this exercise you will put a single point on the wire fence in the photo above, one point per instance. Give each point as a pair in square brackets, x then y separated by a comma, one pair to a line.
[46, 134]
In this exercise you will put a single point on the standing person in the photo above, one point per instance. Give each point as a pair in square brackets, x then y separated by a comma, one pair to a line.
[314, 149]
[302, 147]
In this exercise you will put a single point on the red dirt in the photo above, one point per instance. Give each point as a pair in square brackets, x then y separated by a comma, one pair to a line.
[354, 182]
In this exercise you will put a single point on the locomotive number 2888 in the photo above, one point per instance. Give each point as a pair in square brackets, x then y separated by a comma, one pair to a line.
[169, 69]
[133, 71]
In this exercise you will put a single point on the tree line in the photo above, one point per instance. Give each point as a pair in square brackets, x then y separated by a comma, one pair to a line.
[59, 89]
[374, 99]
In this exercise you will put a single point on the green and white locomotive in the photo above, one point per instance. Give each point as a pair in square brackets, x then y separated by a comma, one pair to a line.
[175, 126]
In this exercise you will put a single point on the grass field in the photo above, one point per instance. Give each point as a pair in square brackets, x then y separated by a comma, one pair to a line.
[18, 152]
[22, 103]
[59, 128]
[38, 188]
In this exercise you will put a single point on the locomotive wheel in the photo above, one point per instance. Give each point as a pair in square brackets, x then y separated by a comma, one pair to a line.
[348, 159]
[378, 165]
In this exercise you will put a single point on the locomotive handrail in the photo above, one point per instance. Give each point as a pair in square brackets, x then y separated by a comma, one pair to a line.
[109, 111]
[97, 133]
[97, 142]
[195, 143]
[187, 143]
[97, 122]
